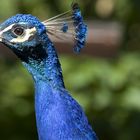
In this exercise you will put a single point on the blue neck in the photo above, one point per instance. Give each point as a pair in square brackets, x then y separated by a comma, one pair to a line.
[46, 69]
[43, 100]
[47, 75]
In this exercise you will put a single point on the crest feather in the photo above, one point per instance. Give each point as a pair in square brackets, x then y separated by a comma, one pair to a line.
[68, 25]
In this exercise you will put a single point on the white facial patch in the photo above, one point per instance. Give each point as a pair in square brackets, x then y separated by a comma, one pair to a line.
[28, 33]
[6, 29]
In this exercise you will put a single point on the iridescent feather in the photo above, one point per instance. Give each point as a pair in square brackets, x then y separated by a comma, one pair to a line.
[68, 25]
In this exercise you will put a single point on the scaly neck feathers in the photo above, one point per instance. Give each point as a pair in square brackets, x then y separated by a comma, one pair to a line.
[43, 63]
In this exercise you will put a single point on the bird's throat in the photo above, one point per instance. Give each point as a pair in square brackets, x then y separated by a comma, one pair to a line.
[43, 64]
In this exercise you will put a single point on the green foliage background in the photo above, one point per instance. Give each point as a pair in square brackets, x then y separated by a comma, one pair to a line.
[108, 89]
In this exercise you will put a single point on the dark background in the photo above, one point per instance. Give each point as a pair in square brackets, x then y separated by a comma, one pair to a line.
[104, 78]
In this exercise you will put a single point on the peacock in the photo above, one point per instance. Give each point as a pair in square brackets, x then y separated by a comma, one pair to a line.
[58, 115]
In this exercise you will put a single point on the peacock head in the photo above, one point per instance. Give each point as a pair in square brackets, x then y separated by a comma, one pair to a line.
[21, 32]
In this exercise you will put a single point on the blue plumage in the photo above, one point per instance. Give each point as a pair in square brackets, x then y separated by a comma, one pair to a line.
[58, 115]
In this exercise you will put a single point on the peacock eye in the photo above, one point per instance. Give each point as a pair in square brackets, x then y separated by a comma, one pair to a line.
[18, 31]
